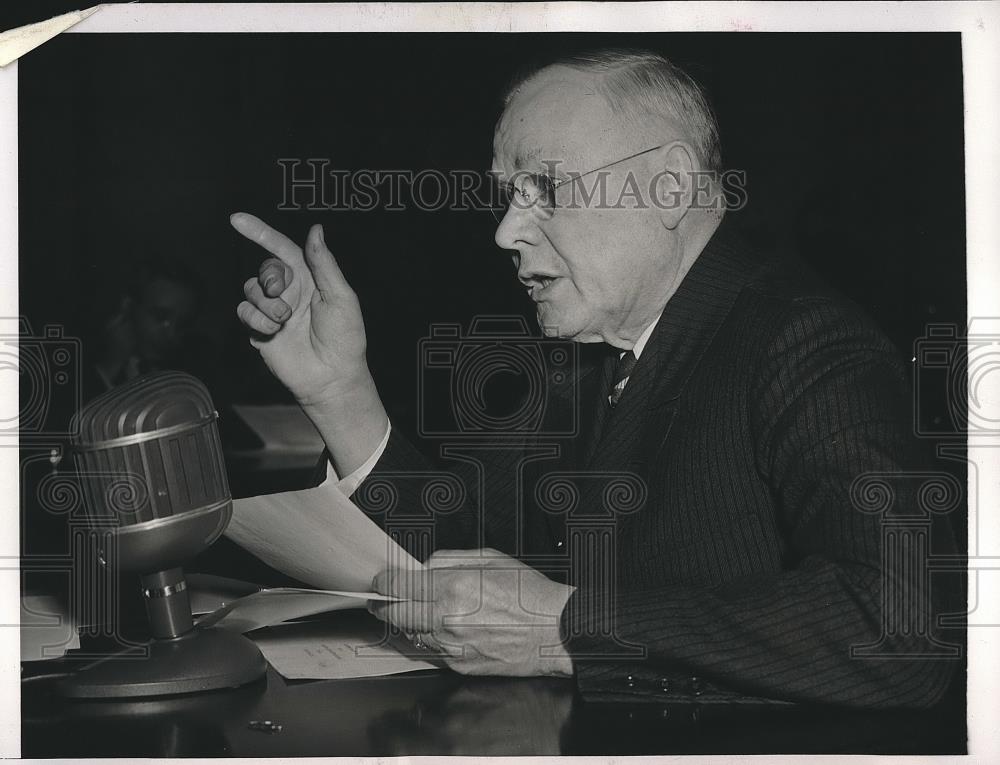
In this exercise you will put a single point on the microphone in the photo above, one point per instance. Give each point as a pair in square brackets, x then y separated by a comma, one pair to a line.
[152, 474]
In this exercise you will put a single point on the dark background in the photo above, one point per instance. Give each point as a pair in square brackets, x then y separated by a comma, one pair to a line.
[138, 146]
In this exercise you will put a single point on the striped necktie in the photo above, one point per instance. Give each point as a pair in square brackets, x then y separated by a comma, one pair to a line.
[622, 371]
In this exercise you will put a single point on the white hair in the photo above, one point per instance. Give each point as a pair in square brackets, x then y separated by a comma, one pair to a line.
[642, 85]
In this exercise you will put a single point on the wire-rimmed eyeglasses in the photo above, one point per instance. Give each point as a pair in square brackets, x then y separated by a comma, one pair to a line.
[526, 190]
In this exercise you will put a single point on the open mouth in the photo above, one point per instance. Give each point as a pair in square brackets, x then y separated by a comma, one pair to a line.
[542, 283]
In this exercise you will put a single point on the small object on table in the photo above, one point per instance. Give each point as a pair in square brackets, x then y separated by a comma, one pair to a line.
[265, 726]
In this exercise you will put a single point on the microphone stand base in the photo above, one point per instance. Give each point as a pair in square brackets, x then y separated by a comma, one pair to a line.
[199, 660]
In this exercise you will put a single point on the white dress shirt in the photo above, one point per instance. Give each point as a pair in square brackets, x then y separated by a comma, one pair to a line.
[640, 344]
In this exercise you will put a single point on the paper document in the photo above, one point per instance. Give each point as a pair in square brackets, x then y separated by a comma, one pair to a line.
[317, 536]
[333, 649]
[208, 592]
[281, 604]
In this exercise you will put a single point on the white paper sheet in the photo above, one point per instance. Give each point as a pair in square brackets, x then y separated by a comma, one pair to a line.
[317, 536]
[333, 650]
[208, 592]
[281, 604]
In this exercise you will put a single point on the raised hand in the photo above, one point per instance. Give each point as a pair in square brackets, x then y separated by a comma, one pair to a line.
[306, 322]
[305, 318]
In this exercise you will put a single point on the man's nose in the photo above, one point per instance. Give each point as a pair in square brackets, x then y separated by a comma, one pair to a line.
[517, 228]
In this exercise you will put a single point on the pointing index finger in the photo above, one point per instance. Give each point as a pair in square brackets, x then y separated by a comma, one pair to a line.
[257, 231]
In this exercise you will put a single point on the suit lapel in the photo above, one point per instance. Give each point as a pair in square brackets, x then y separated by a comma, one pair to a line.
[581, 393]
[595, 406]
[639, 426]
[629, 437]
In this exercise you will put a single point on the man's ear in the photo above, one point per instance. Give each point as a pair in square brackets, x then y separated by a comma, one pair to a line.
[674, 187]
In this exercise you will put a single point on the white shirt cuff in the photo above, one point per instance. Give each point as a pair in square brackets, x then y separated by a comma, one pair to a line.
[349, 484]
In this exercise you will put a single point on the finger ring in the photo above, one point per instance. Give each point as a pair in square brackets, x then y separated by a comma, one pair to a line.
[418, 643]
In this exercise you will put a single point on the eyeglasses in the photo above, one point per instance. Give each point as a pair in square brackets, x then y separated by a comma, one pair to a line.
[537, 191]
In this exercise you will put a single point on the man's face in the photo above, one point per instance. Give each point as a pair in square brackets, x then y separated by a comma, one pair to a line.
[594, 272]
[162, 318]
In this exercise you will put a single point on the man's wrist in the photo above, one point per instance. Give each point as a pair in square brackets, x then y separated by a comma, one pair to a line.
[351, 419]
[349, 483]
[334, 395]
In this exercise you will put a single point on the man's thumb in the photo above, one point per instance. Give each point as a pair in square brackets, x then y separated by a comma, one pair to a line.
[326, 273]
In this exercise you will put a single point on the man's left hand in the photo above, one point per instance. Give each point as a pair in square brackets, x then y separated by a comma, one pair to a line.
[482, 612]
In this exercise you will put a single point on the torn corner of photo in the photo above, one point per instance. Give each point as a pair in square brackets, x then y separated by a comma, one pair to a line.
[14, 43]
[317, 536]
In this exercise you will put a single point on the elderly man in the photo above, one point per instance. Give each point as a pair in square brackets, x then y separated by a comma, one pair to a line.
[743, 397]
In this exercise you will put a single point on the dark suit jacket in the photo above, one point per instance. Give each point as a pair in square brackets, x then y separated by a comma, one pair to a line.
[708, 521]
